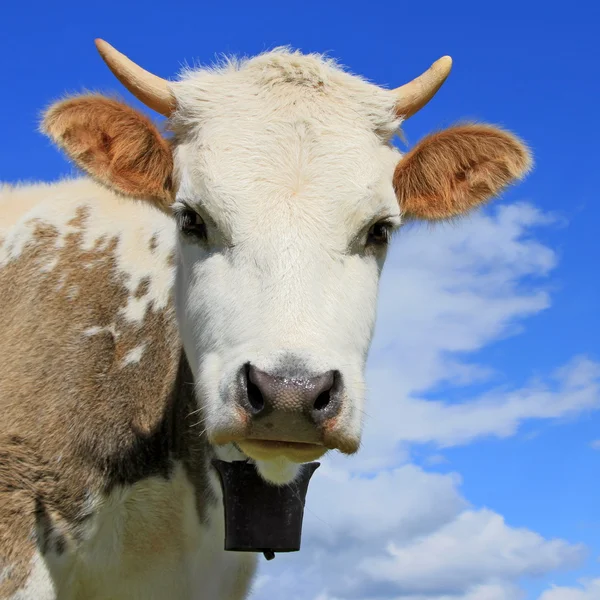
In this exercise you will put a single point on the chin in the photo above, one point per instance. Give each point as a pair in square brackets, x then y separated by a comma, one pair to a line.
[278, 471]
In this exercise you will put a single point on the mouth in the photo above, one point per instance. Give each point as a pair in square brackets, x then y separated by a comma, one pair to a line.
[298, 452]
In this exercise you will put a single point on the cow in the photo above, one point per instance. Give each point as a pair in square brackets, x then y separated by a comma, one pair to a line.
[202, 290]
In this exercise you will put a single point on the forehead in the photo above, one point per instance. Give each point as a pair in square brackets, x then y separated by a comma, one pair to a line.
[283, 126]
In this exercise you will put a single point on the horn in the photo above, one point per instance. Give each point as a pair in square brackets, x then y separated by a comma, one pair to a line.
[413, 96]
[153, 91]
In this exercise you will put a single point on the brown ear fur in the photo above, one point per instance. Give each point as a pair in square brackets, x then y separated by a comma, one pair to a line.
[456, 170]
[115, 144]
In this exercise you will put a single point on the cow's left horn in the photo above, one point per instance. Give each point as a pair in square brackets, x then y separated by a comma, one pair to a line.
[414, 95]
[153, 91]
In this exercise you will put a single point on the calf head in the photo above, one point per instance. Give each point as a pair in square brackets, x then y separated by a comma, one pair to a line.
[286, 189]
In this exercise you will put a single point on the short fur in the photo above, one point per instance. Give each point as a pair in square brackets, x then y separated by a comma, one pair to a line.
[122, 339]
[452, 172]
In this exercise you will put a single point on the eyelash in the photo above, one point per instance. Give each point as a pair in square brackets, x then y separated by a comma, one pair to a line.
[190, 223]
[381, 237]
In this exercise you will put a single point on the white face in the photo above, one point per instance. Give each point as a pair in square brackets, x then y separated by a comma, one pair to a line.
[284, 223]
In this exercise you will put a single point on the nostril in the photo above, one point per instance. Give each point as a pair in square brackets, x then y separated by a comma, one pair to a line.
[326, 400]
[255, 397]
[323, 400]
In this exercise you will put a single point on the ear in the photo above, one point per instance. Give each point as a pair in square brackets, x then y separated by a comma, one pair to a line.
[456, 170]
[114, 144]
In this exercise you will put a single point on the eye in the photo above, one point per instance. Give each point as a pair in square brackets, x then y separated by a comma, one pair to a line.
[379, 234]
[191, 223]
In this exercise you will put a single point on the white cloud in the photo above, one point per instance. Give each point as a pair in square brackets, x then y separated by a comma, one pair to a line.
[589, 590]
[473, 549]
[570, 390]
[457, 287]
[401, 503]
[377, 528]
[492, 591]
[595, 444]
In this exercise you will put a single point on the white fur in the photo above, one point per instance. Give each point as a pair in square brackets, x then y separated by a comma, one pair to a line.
[95, 330]
[287, 159]
[134, 355]
[39, 584]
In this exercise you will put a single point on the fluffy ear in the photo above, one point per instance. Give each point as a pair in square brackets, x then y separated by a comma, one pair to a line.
[456, 170]
[114, 144]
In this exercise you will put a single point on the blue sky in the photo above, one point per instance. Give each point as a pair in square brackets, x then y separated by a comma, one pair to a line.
[527, 453]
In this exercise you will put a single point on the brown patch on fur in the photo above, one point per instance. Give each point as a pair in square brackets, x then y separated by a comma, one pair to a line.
[142, 288]
[115, 144]
[153, 245]
[74, 421]
[456, 170]
[172, 260]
